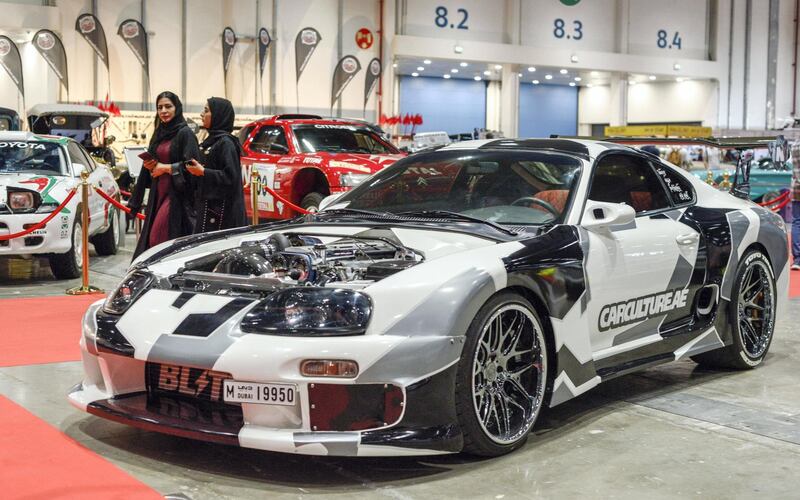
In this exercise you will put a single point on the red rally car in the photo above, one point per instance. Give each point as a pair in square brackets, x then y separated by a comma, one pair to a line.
[305, 158]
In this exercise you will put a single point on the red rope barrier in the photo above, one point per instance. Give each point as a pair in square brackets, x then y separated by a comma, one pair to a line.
[44, 221]
[775, 200]
[780, 206]
[116, 203]
[124, 193]
[285, 201]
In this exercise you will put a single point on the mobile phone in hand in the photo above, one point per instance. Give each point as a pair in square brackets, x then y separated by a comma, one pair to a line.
[145, 156]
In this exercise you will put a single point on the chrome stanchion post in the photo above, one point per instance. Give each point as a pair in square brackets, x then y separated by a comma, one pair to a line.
[255, 185]
[85, 288]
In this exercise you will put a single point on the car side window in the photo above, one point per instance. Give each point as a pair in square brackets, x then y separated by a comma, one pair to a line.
[245, 133]
[77, 157]
[270, 139]
[627, 179]
[680, 190]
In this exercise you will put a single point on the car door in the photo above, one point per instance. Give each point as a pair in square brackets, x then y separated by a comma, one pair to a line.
[639, 274]
[97, 205]
[267, 146]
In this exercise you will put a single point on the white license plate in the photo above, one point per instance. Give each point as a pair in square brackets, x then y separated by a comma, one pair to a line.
[265, 394]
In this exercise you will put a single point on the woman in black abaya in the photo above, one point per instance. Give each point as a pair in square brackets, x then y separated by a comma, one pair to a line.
[220, 200]
[170, 204]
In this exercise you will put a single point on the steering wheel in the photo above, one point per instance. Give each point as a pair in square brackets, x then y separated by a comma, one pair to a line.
[536, 201]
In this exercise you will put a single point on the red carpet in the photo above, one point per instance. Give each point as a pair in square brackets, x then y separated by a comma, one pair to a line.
[41, 329]
[39, 462]
[794, 284]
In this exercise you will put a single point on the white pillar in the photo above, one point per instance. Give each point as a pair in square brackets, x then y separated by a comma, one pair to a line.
[509, 101]
[618, 110]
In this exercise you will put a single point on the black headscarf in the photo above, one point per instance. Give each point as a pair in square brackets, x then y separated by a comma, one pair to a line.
[222, 116]
[167, 131]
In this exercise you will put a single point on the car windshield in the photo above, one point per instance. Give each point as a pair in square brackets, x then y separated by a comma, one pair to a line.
[35, 157]
[504, 187]
[340, 139]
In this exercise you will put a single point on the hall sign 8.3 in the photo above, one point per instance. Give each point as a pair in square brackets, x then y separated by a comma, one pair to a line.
[664, 43]
[458, 22]
[561, 30]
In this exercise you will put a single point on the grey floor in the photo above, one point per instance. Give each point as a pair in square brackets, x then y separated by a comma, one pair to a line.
[671, 431]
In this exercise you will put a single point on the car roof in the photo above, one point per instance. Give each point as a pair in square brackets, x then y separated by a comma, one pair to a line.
[300, 119]
[579, 147]
[30, 136]
[65, 109]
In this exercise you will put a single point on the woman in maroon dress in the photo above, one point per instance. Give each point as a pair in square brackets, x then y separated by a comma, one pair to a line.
[170, 204]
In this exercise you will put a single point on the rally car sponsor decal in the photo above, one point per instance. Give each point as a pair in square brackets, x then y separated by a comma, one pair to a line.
[349, 166]
[641, 308]
[21, 145]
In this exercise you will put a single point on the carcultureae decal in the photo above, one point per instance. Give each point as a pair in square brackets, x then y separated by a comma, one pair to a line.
[641, 308]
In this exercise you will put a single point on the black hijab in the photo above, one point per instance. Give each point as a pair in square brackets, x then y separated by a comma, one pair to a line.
[167, 131]
[222, 116]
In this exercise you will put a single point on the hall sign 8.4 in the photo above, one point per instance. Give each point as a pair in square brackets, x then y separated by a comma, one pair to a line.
[664, 43]
[560, 29]
[459, 22]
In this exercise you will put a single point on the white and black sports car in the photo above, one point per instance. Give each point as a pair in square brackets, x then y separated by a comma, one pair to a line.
[438, 306]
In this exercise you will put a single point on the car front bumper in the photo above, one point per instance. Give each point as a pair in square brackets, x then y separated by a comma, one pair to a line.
[55, 237]
[331, 416]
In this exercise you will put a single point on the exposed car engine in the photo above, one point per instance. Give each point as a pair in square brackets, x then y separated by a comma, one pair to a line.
[290, 260]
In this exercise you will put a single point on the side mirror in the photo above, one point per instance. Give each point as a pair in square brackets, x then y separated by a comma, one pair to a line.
[600, 215]
[329, 200]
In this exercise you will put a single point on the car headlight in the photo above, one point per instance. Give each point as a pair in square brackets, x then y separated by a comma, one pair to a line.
[133, 285]
[20, 200]
[351, 180]
[310, 311]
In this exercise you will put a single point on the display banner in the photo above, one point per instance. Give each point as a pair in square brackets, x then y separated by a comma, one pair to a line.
[50, 47]
[92, 31]
[304, 44]
[371, 80]
[11, 61]
[263, 48]
[346, 70]
[135, 38]
[228, 43]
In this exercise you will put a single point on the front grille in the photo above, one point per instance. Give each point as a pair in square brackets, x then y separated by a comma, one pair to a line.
[3, 225]
[32, 241]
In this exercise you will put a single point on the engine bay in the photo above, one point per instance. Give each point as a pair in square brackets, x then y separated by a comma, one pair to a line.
[296, 259]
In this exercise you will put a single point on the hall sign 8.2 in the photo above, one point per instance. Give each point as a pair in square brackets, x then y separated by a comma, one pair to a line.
[459, 22]
[663, 41]
[561, 30]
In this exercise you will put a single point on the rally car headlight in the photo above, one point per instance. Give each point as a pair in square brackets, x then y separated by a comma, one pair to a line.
[351, 180]
[310, 311]
[133, 285]
[20, 200]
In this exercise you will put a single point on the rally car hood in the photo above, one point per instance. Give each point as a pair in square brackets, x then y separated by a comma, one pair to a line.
[343, 162]
[48, 186]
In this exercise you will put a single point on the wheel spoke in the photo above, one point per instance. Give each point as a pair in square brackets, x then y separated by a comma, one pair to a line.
[512, 334]
[518, 387]
[485, 411]
[748, 331]
[503, 415]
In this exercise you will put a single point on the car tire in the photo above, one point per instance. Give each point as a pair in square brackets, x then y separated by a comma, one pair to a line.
[67, 265]
[311, 201]
[107, 242]
[502, 370]
[752, 312]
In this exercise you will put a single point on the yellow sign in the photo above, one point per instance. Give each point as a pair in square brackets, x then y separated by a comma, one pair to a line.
[690, 131]
[687, 131]
[636, 131]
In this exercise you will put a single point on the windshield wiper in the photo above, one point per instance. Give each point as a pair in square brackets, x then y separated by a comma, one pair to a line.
[456, 215]
[355, 211]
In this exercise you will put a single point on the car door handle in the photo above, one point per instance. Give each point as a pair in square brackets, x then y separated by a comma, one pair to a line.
[688, 238]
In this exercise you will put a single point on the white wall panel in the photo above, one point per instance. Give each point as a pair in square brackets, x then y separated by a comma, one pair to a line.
[478, 20]
[757, 72]
[163, 18]
[682, 24]
[587, 25]
[687, 101]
